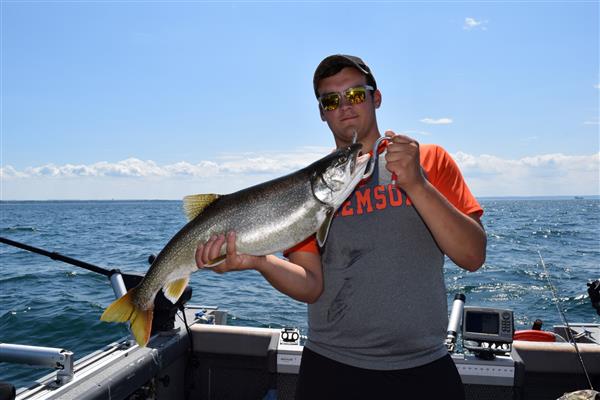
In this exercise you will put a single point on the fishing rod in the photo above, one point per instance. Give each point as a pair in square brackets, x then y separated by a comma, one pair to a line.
[164, 314]
[164, 310]
[129, 280]
[570, 337]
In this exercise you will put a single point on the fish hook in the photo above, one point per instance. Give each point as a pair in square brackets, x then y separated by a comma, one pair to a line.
[374, 152]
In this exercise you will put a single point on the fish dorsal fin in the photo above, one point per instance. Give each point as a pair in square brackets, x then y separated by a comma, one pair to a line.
[324, 229]
[194, 204]
[174, 289]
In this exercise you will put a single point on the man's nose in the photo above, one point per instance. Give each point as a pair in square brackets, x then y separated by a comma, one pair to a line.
[344, 102]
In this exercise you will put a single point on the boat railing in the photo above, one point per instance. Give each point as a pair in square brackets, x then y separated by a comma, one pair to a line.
[48, 357]
[53, 357]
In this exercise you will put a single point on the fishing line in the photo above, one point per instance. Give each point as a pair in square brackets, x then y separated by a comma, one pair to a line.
[564, 318]
[190, 363]
[187, 328]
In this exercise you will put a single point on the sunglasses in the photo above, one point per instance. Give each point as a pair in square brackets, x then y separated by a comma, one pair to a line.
[354, 95]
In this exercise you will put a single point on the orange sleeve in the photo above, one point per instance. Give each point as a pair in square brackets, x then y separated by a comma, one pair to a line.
[443, 173]
[309, 245]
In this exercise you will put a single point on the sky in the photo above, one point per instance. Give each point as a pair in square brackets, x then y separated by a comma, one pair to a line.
[161, 99]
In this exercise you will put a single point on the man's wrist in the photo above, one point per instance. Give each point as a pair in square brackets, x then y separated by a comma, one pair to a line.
[417, 189]
[260, 263]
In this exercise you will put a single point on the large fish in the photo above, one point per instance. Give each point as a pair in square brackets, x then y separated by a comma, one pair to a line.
[267, 218]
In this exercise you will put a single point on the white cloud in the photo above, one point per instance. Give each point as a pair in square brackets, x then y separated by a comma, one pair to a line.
[487, 175]
[439, 121]
[597, 86]
[245, 163]
[138, 179]
[131, 167]
[541, 175]
[471, 23]
[9, 172]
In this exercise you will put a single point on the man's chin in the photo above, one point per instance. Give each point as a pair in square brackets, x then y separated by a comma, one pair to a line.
[349, 130]
[347, 135]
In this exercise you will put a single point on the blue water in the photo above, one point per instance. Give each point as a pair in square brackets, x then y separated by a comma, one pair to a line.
[49, 303]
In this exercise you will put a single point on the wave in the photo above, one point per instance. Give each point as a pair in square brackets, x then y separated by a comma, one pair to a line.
[18, 228]
[19, 278]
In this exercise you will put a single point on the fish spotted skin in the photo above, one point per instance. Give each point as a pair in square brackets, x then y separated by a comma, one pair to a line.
[267, 218]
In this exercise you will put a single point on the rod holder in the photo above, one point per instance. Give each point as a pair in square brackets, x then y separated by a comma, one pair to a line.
[454, 321]
[117, 283]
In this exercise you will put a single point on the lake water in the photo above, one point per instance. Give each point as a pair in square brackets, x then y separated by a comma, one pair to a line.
[49, 303]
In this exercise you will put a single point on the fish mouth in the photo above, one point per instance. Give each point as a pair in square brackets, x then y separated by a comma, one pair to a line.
[354, 158]
[358, 165]
[359, 161]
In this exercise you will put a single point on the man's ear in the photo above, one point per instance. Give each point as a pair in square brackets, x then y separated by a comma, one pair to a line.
[377, 98]
[321, 113]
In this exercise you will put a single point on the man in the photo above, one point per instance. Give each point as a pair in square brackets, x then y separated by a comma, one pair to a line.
[377, 309]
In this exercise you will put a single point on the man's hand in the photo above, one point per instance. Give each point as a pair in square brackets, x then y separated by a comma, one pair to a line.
[210, 250]
[303, 281]
[403, 160]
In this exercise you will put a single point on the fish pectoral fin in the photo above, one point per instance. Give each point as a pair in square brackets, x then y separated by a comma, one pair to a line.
[123, 309]
[194, 204]
[174, 289]
[324, 229]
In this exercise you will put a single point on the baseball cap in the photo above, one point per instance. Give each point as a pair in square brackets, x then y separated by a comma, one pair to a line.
[333, 64]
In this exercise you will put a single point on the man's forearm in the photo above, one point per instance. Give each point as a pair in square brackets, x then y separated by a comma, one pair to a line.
[291, 279]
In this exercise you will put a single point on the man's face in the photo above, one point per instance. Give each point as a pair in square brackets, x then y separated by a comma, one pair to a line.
[348, 118]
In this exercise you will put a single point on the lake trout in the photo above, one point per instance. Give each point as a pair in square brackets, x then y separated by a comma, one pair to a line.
[267, 218]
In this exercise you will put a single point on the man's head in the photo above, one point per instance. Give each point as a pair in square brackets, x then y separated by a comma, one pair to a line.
[333, 64]
[348, 97]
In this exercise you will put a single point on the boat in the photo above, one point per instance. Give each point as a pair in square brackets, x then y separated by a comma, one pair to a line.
[194, 353]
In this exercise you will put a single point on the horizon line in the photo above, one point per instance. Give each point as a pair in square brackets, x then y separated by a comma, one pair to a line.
[487, 197]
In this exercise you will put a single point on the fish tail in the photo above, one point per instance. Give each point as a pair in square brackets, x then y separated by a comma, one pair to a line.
[124, 309]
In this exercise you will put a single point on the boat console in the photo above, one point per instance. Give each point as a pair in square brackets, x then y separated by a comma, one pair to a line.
[487, 332]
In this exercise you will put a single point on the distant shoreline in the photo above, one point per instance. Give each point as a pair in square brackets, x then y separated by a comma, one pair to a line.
[499, 198]
[573, 197]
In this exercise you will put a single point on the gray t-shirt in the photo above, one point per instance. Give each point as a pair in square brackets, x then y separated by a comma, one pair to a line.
[384, 302]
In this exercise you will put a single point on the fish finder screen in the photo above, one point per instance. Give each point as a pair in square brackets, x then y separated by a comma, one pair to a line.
[481, 322]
